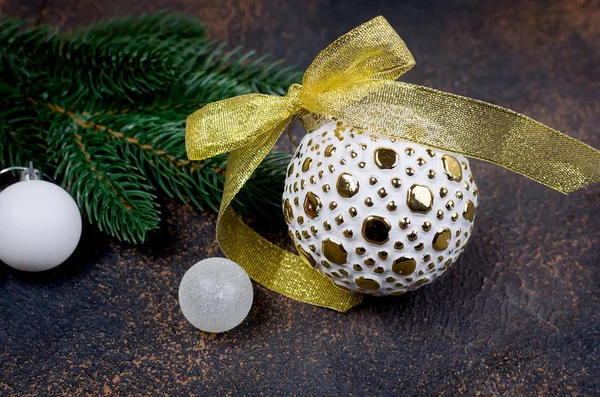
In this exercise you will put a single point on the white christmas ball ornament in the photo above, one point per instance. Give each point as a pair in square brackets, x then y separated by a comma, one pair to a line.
[215, 295]
[378, 215]
[40, 225]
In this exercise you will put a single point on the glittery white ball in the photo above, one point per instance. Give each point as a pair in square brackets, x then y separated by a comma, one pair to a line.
[378, 215]
[215, 295]
[40, 225]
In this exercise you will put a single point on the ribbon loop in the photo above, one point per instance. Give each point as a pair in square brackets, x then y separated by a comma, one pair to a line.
[352, 80]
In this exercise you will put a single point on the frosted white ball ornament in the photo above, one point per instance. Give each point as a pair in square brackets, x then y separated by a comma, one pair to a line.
[378, 215]
[215, 295]
[40, 225]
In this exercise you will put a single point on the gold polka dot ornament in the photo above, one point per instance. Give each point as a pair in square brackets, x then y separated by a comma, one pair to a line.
[379, 197]
[378, 215]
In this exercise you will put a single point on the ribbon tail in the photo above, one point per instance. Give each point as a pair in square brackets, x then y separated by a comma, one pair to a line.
[265, 263]
[466, 126]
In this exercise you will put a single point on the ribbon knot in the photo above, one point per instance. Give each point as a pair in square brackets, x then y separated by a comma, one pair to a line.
[353, 80]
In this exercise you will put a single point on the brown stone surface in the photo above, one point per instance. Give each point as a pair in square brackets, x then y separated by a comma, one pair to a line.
[516, 315]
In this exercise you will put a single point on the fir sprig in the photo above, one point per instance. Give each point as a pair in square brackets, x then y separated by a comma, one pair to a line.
[103, 110]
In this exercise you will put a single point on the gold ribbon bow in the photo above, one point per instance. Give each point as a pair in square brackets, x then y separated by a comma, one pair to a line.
[353, 80]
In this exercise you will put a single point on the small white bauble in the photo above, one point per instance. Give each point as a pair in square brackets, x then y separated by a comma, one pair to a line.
[378, 215]
[215, 295]
[40, 225]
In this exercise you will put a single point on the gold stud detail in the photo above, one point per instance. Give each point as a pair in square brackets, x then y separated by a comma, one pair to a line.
[390, 279]
[430, 152]
[404, 222]
[306, 165]
[327, 225]
[409, 151]
[296, 201]
[291, 170]
[459, 195]
[458, 243]
[357, 267]
[302, 184]
[426, 226]
[346, 185]
[376, 229]
[339, 219]
[396, 183]
[426, 258]
[313, 230]
[363, 146]
[348, 233]
[421, 161]
[334, 251]
[305, 234]
[469, 211]
[312, 179]
[419, 247]
[306, 256]
[362, 164]
[295, 187]
[386, 159]
[288, 213]
[312, 205]
[467, 186]
[404, 266]
[332, 205]
[382, 254]
[330, 150]
[367, 284]
[412, 236]
[320, 174]
[326, 188]
[398, 245]
[343, 161]
[335, 274]
[382, 192]
[352, 211]
[454, 217]
[450, 205]
[431, 174]
[326, 264]
[369, 261]
[331, 168]
[379, 270]
[392, 206]
[421, 282]
[368, 202]
[344, 272]
[443, 192]
[298, 236]
[410, 171]
[440, 215]
[452, 168]
[441, 239]
[300, 220]
[360, 250]
[372, 180]
[312, 247]
[419, 199]
[353, 154]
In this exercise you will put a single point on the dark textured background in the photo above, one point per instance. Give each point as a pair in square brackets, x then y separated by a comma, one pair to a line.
[516, 315]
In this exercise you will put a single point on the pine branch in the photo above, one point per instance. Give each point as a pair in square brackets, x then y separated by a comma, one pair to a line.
[110, 103]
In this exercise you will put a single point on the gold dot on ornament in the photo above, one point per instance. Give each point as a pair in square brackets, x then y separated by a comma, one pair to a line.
[421, 282]
[306, 165]
[440, 214]
[376, 229]
[454, 217]
[382, 192]
[426, 226]
[379, 270]
[343, 161]
[295, 187]
[430, 152]
[457, 233]
[326, 264]
[363, 146]
[313, 230]
[459, 195]
[298, 236]
[450, 205]
[421, 161]
[326, 188]
[352, 211]
[419, 199]
[426, 258]
[469, 211]
[288, 213]
[300, 220]
[291, 170]
[372, 180]
[335, 274]
[382, 254]
[296, 201]
[362, 164]
[396, 183]
[419, 247]
[320, 174]
[385, 159]
[409, 151]
[441, 239]
[457, 243]
[431, 174]
[412, 236]
[330, 150]
[312, 247]
[353, 154]
[308, 257]
[404, 266]
[334, 251]
[326, 226]
[357, 267]
[367, 284]
[443, 192]
[331, 168]
[332, 205]
[312, 205]
[346, 185]
[392, 206]
[431, 266]
[452, 168]
[398, 245]
[344, 272]
[369, 261]
[360, 250]
[305, 234]
[368, 202]
[390, 279]
[348, 233]
[410, 171]
[339, 219]
[404, 222]
[312, 179]
[302, 184]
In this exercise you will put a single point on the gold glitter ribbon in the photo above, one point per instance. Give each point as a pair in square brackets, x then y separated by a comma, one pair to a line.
[353, 80]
